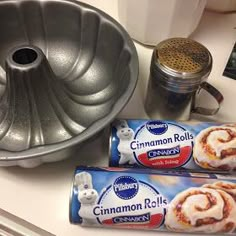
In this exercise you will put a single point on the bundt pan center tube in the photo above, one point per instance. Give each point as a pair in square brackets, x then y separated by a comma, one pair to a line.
[67, 70]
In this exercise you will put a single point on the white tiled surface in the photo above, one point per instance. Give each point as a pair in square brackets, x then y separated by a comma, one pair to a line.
[41, 195]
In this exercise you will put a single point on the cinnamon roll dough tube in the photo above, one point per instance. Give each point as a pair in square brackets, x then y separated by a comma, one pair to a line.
[169, 144]
[154, 200]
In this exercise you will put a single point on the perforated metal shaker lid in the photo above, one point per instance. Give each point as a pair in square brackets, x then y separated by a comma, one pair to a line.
[183, 58]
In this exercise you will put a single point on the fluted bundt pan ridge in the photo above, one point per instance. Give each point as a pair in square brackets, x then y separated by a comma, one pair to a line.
[66, 70]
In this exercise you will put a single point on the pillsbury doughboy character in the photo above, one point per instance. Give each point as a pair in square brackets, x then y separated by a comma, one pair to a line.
[87, 196]
[125, 135]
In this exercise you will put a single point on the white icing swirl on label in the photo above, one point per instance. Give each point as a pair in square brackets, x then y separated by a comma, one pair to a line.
[202, 210]
[215, 148]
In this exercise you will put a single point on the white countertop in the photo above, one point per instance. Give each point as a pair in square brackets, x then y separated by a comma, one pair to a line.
[41, 195]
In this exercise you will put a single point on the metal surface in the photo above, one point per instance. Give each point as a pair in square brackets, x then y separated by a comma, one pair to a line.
[183, 57]
[67, 70]
[178, 67]
[11, 225]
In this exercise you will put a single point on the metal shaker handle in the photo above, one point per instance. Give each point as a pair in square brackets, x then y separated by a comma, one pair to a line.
[216, 94]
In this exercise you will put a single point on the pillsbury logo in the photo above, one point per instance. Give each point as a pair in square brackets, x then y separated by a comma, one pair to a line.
[157, 127]
[126, 187]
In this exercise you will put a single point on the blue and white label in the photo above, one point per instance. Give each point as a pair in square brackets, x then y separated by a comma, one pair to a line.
[164, 152]
[130, 201]
[126, 187]
[147, 199]
[157, 127]
[154, 144]
[144, 218]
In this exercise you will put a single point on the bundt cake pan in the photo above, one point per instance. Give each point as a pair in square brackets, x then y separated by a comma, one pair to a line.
[67, 70]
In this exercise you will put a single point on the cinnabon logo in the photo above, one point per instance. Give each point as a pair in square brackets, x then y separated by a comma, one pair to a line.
[163, 152]
[144, 218]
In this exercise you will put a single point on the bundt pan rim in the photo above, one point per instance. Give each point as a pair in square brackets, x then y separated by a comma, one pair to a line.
[98, 125]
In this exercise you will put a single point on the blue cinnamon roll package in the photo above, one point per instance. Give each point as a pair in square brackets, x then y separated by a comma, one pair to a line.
[169, 144]
[154, 200]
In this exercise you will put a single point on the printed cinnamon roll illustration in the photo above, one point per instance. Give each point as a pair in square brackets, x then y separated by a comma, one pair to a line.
[228, 187]
[215, 148]
[199, 209]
